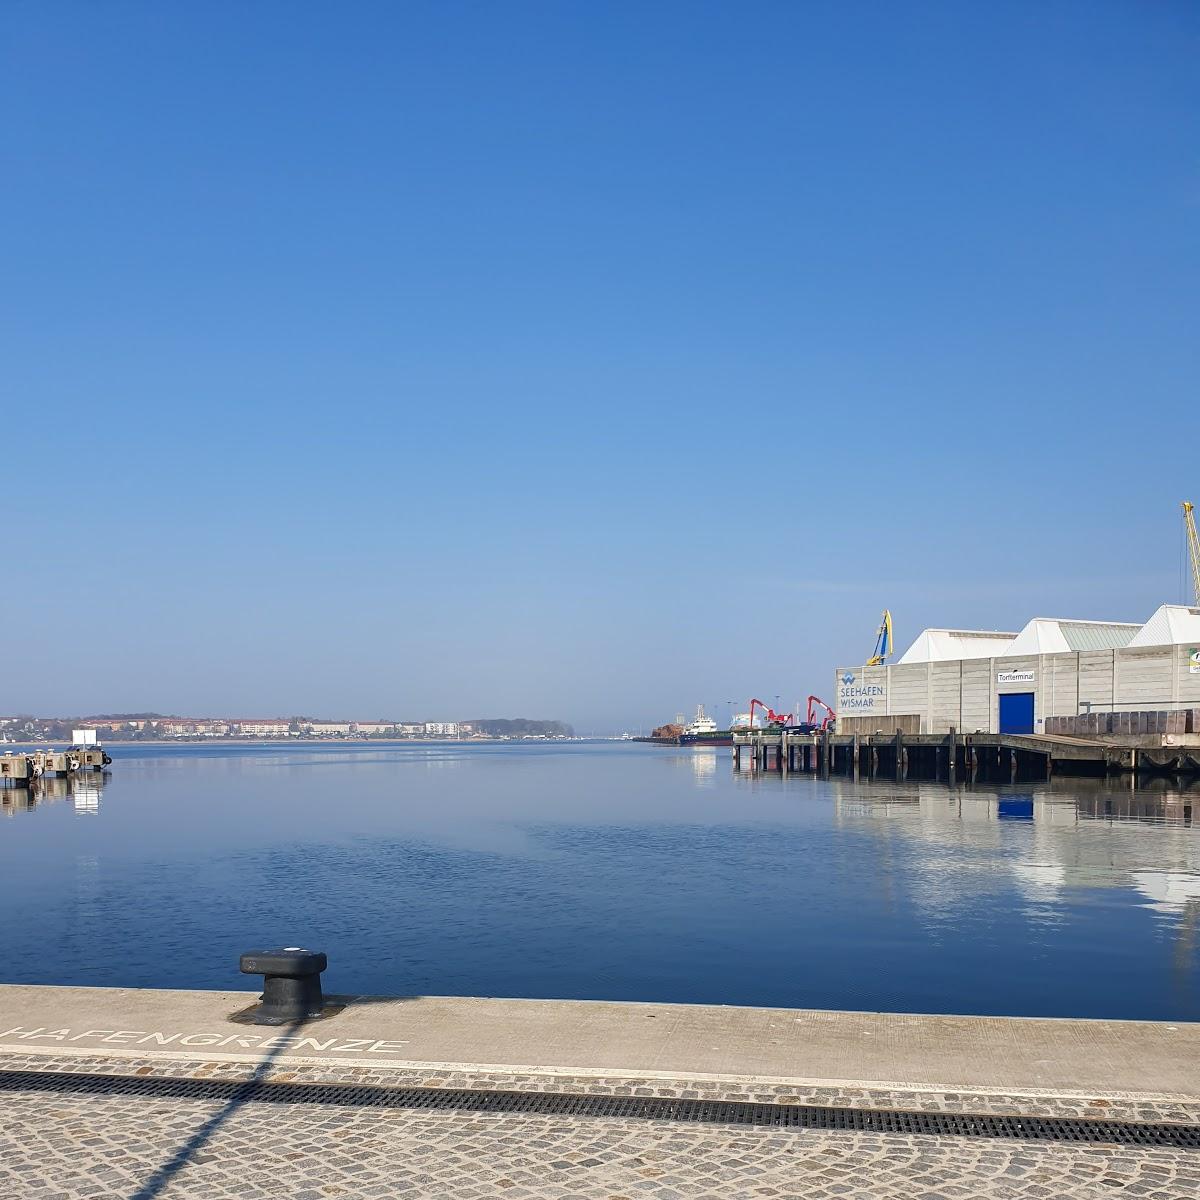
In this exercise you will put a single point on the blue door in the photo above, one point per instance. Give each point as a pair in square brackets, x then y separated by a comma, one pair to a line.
[1016, 712]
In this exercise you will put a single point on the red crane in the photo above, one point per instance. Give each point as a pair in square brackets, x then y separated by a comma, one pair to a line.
[830, 715]
[788, 721]
[773, 718]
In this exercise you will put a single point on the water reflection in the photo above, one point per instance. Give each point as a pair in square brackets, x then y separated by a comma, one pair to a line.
[704, 767]
[1160, 807]
[609, 872]
[82, 790]
[1169, 891]
[1084, 837]
[86, 799]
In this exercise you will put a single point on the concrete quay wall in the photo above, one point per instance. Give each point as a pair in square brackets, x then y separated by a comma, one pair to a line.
[731, 1049]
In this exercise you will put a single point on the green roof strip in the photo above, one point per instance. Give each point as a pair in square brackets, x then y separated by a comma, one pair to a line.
[1093, 635]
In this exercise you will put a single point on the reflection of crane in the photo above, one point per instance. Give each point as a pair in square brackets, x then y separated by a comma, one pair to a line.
[1193, 544]
[883, 641]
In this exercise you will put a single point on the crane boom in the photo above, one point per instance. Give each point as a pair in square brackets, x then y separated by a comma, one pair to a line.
[883, 641]
[830, 716]
[1193, 542]
[773, 718]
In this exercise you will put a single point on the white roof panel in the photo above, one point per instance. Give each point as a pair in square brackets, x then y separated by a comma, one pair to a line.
[1171, 625]
[949, 645]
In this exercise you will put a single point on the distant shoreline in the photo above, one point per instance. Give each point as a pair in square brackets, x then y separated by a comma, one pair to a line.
[6, 747]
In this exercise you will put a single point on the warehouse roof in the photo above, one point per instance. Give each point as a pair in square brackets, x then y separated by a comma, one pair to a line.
[949, 645]
[1053, 635]
[1171, 625]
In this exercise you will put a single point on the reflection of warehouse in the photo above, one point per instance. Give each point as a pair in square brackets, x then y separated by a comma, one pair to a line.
[1011, 682]
[977, 841]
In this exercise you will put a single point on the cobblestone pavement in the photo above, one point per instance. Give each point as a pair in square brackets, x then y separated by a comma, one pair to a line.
[60, 1147]
[1044, 1103]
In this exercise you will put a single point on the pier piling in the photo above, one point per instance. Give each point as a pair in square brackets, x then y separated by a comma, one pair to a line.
[952, 756]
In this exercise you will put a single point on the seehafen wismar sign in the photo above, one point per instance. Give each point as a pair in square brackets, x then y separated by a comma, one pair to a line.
[855, 697]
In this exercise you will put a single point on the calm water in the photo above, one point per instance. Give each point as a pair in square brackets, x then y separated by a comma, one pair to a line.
[608, 871]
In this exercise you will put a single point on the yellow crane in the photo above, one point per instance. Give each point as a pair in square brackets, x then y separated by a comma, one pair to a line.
[883, 641]
[1193, 543]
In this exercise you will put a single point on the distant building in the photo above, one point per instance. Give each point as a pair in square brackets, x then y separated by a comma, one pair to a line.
[260, 728]
[441, 729]
[184, 727]
[330, 728]
[347, 728]
[132, 726]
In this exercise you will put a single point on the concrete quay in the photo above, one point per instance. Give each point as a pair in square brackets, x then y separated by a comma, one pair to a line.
[59, 1139]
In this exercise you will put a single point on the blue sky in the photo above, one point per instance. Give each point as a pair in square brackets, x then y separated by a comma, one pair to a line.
[586, 361]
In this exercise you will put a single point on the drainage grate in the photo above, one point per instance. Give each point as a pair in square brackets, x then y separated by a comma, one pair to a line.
[714, 1112]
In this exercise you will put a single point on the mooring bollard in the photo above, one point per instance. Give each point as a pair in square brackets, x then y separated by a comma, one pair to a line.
[291, 983]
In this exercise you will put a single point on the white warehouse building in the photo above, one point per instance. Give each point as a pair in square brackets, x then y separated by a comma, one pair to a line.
[990, 682]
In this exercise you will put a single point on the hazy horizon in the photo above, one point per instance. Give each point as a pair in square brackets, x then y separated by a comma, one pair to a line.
[595, 363]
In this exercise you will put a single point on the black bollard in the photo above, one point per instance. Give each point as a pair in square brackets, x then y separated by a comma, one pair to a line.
[291, 983]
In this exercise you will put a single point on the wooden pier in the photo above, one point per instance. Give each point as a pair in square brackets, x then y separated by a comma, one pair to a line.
[952, 756]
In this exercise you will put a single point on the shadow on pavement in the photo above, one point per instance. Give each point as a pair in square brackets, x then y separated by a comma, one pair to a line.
[155, 1185]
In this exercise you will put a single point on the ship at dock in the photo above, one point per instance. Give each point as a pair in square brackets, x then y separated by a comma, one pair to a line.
[702, 731]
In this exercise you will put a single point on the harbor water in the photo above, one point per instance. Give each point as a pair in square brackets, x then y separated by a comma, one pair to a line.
[606, 871]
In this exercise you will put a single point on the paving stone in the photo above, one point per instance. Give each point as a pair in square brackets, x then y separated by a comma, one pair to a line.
[65, 1147]
[1032, 1104]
